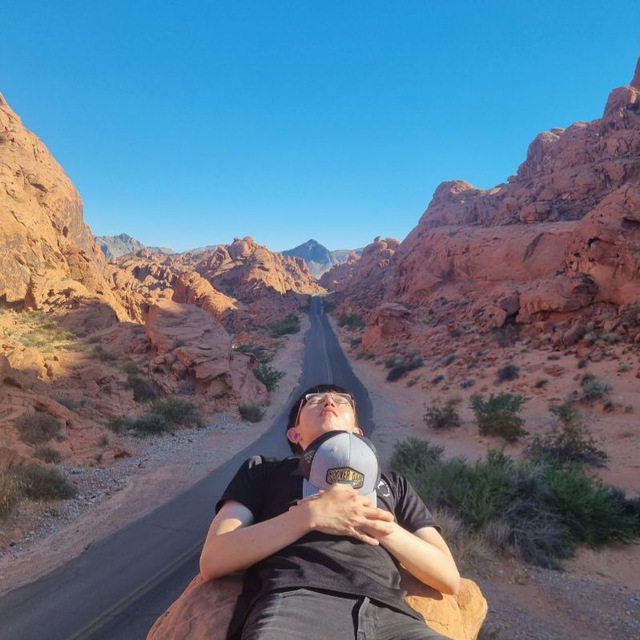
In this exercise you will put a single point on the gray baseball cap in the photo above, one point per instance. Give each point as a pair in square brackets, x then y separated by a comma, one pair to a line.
[340, 457]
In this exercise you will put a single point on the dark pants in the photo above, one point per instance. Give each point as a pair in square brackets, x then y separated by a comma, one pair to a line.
[303, 614]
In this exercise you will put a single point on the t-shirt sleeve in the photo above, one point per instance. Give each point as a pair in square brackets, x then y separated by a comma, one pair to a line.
[410, 512]
[247, 486]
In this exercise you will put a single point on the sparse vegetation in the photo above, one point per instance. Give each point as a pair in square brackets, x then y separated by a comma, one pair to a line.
[10, 492]
[148, 424]
[269, 376]
[594, 389]
[400, 370]
[351, 321]
[143, 390]
[498, 415]
[43, 483]
[261, 353]
[288, 325]
[508, 372]
[251, 412]
[177, 412]
[534, 509]
[104, 356]
[36, 428]
[47, 454]
[443, 416]
[568, 442]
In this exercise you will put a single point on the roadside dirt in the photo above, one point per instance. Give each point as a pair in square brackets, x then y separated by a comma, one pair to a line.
[595, 598]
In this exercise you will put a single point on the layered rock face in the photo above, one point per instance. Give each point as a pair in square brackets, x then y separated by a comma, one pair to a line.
[42, 228]
[204, 610]
[560, 240]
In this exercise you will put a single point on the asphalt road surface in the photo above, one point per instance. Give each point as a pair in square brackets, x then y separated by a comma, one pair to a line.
[119, 586]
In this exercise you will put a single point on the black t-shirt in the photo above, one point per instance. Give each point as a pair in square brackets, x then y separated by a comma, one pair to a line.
[340, 564]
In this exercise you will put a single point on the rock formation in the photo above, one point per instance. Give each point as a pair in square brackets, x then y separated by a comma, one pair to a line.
[191, 346]
[42, 232]
[204, 610]
[559, 240]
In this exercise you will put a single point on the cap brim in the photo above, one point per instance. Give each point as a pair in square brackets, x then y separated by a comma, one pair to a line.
[311, 491]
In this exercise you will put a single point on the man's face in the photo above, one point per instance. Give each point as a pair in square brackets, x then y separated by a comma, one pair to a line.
[321, 415]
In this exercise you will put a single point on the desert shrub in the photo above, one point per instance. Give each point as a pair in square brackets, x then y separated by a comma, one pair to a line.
[467, 382]
[288, 325]
[498, 415]
[177, 412]
[328, 306]
[534, 509]
[47, 454]
[594, 389]
[568, 443]
[251, 412]
[44, 483]
[10, 492]
[116, 424]
[449, 360]
[582, 363]
[149, 424]
[438, 379]
[130, 368]
[593, 512]
[36, 428]
[351, 321]
[269, 376]
[143, 390]
[508, 372]
[262, 354]
[541, 383]
[400, 370]
[443, 416]
[104, 356]
[392, 361]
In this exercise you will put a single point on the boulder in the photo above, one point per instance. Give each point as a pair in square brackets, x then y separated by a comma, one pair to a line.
[204, 609]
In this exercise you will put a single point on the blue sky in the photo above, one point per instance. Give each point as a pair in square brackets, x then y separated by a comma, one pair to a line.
[191, 123]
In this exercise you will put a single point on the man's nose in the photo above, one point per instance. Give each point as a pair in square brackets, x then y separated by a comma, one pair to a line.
[328, 398]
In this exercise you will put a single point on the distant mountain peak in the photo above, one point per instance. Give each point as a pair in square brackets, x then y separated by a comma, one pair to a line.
[318, 258]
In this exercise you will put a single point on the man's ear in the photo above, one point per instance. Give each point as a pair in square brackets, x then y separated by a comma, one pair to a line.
[293, 435]
[359, 431]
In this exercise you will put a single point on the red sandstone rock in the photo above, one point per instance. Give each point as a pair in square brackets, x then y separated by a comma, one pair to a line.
[204, 609]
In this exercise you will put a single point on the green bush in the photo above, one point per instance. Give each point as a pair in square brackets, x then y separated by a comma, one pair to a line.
[102, 355]
[269, 376]
[400, 370]
[534, 509]
[508, 372]
[498, 415]
[47, 454]
[44, 483]
[251, 412]
[443, 416]
[290, 324]
[149, 424]
[594, 389]
[130, 368]
[10, 492]
[568, 442]
[177, 412]
[143, 391]
[36, 428]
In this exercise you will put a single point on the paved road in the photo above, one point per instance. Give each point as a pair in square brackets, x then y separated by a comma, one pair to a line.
[120, 585]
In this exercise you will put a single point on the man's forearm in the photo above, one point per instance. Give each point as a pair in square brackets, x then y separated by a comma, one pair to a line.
[429, 563]
[239, 547]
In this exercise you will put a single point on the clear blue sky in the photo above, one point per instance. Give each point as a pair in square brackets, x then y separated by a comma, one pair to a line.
[191, 123]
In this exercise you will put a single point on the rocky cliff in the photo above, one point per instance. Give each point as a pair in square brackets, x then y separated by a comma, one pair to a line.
[560, 241]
